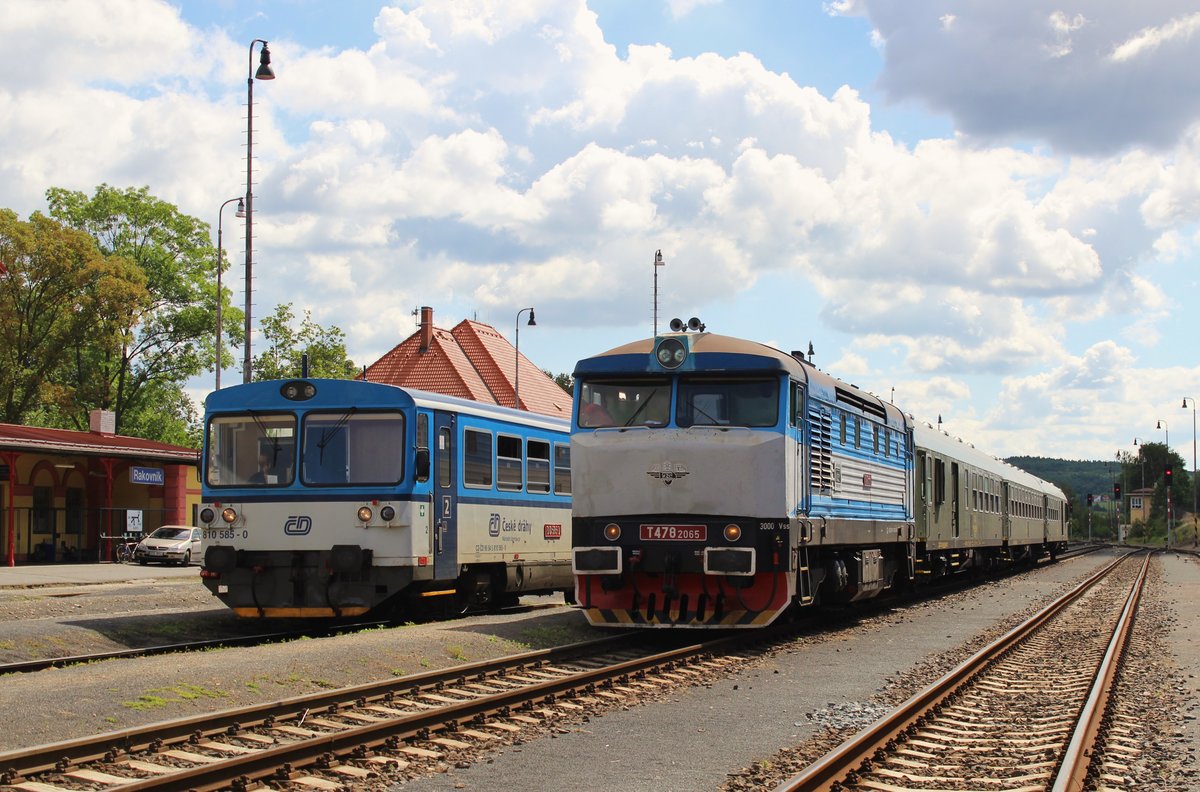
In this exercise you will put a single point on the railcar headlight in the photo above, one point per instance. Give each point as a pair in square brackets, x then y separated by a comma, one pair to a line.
[298, 391]
[670, 353]
[387, 514]
[229, 514]
[612, 532]
[733, 532]
[207, 515]
[364, 513]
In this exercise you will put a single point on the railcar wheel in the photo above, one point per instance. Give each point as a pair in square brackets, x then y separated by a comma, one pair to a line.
[475, 593]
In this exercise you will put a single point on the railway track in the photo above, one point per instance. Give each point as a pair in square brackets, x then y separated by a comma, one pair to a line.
[345, 737]
[1024, 713]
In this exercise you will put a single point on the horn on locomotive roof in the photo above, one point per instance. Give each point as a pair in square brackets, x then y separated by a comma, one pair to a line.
[676, 325]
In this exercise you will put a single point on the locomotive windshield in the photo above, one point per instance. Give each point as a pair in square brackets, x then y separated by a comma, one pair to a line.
[727, 402]
[641, 402]
[254, 450]
[351, 447]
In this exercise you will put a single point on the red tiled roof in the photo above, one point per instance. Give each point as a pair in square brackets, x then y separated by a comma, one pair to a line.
[472, 361]
[35, 438]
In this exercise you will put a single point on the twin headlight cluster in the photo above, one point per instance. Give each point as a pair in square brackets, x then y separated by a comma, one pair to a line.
[365, 513]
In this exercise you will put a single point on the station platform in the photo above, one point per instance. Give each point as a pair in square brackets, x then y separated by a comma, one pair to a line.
[39, 575]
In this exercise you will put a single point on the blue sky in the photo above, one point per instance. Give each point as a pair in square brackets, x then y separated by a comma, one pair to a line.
[990, 208]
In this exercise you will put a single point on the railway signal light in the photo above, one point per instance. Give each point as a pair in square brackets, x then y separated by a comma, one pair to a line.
[1167, 475]
[1089, 499]
[1116, 492]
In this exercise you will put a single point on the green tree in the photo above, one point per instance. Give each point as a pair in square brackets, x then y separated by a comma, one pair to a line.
[325, 347]
[171, 336]
[58, 294]
[562, 380]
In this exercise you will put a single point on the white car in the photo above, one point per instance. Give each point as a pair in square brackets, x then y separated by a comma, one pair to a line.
[176, 544]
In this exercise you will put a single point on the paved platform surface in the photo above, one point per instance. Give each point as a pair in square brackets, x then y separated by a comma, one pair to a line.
[27, 575]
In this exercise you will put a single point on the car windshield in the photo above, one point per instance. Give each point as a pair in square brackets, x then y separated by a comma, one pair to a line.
[171, 532]
[642, 402]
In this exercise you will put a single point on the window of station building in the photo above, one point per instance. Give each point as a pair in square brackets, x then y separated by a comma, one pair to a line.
[537, 465]
[509, 463]
[477, 458]
[562, 469]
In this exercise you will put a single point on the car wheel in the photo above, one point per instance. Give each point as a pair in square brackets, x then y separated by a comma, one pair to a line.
[187, 559]
[142, 561]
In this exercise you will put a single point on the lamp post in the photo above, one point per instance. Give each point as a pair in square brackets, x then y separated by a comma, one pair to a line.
[517, 357]
[264, 73]
[1137, 441]
[241, 212]
[1166, 484]
[1195, 518]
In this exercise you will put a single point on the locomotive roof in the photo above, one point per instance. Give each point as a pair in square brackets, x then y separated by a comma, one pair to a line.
[341, 394]
[715, 353]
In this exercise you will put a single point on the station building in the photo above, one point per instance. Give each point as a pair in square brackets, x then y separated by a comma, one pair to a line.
[71, 496]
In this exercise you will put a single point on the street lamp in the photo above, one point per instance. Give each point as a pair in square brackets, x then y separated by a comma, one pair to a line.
[1195, 518]
[1166, 484]
[264, 73]
[1138, 441]
[241, 212]
[517, 357]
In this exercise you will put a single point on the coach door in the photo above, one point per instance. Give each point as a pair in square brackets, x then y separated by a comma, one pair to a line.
[445, 498]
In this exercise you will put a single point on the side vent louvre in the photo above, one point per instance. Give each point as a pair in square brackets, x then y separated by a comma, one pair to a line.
[821, 463]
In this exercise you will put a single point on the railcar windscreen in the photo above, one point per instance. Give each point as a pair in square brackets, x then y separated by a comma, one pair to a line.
[254, 450]
[706, 401]
[343, 448]
[630, 402]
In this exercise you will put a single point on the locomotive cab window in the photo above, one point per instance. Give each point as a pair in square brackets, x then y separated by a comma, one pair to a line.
[352, 448]
[254, 450]
[728, 402]
[607, 403]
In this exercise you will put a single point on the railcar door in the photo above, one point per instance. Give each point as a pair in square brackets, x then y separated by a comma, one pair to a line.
[445, 498]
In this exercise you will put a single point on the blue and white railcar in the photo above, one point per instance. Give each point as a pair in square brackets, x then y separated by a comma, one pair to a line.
[720, 482]
[334, 498]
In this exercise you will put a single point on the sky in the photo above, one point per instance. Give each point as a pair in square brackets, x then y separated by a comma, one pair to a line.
[986, 212]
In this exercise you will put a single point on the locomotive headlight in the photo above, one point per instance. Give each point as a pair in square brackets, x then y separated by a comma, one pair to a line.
[733, 532]
[387, 514]
[364, 513]
[207, 515]
[229, 514]
[670, 353]
[612, 532]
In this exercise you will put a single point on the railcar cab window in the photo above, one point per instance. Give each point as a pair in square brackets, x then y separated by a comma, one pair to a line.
[727, 402]
[642, 402]
[251, 450]
[351, 447]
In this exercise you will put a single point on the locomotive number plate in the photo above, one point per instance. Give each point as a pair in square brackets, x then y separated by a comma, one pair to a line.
[673, 533]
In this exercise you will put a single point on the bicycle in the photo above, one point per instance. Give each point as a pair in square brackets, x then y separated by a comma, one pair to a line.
[125, 552]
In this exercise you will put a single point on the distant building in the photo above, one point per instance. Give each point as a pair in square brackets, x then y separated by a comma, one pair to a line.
[1139, 505]
[471, 361]
[67, 495]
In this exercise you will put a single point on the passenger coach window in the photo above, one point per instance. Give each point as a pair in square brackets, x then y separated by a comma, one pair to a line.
[508, 463]
[537, 466]
[423, 441]
[562, 469]
[352, 448]
[728, 402]
[477, 458]
[604, 403]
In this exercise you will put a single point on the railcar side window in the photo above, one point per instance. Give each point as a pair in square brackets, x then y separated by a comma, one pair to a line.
[477, 458]
[562, 469]
[423, 442]
[727, 402]
[352, 447]
[605, 403]
[443, 458]
[255, 450]
[537, 462]
[508, 463]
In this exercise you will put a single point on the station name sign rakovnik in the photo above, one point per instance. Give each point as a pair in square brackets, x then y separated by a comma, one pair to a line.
[147, 475]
